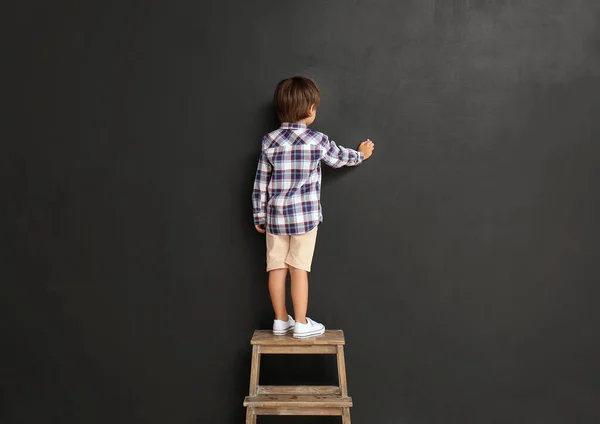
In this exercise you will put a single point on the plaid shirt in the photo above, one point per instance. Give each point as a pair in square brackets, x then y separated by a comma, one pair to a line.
[287, 188]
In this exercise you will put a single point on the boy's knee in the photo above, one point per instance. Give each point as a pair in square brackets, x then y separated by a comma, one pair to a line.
[295, 270]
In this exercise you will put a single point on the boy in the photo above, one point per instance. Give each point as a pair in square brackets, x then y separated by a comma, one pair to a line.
[286, 197]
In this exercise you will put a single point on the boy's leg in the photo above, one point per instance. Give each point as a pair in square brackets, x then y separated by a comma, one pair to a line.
[299, 259]
[277, 250]
[299, 293]
[277, 291]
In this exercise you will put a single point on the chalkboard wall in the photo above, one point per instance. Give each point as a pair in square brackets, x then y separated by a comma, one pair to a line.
[461, 260]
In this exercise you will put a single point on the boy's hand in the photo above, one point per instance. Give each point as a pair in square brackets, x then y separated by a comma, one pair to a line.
[366, 148]
[260, 228]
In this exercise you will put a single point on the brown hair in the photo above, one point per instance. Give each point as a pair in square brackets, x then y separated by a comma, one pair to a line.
[294, 96]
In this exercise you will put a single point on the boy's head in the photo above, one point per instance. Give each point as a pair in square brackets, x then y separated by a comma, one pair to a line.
[297, 99]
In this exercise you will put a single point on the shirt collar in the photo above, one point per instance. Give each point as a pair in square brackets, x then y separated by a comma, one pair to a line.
[292, 126]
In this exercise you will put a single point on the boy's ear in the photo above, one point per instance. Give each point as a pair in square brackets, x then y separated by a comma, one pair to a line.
[312, 109]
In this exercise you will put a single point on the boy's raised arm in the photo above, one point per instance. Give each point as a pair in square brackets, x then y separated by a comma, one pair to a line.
[338, 156]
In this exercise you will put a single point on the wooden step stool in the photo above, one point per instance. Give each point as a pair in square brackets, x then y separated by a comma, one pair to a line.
[298, 400]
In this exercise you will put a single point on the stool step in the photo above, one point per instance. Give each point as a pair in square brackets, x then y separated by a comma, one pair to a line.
[298, 401]
[298, 390]
[266, 337]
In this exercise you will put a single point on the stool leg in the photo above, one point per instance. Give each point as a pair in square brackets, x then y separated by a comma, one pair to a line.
[346, 416]
[255, 370]
[341, 363]
[250, 416]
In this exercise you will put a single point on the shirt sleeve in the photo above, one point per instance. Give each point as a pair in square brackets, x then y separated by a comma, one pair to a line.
[338, 156]
[259, 193]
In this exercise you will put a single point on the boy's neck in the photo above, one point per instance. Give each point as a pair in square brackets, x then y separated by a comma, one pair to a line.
[303, 121]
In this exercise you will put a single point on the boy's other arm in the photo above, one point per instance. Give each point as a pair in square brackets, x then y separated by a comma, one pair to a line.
[338, 156]
[259, 193]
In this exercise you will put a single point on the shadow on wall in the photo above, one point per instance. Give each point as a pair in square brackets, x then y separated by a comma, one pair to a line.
[267, 121]
[254, 260]
[330, 174]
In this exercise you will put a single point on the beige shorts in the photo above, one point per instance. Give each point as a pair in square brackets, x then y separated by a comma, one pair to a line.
[295, 251]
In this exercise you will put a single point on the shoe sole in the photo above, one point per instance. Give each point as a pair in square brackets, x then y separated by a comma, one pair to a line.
[283, 332]
[314, 333]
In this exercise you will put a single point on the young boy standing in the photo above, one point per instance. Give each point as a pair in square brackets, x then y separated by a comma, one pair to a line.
[286, 198]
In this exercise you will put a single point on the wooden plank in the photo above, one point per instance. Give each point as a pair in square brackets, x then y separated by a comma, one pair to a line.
[297, 401]
[250, 416]
[346, 416]
[299, 350]
[341, 363]
[255, 369]
[298, 390]
[266, 337]
[335, 412]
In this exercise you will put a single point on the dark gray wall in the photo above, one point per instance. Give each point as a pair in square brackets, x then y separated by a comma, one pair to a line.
[462, 260]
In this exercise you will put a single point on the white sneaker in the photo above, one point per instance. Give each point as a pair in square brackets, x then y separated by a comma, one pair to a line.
[310, 329]
[281, 328]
